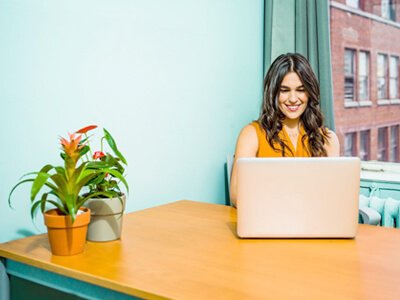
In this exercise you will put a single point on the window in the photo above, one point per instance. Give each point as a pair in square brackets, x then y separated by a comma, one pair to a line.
[382, 144]
[353, 3]
[363, 79]
[349, 74]
[388, 9]
[366, 77]
[394, 143]
[350, 143]
[381, 76]
[394, 77]
[364, 145]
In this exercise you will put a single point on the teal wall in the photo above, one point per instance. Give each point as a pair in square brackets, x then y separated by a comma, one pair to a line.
[173, 81]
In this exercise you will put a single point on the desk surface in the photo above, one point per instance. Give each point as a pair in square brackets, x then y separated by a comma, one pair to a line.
[189, 250]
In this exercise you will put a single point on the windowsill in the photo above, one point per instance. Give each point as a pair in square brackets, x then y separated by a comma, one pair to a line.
[395, 101]
[384, 102]
[350, 104]
[364, 103]
[380, 171]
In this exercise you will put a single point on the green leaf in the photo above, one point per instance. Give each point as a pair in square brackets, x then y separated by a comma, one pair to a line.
[46, 168]
[84, 150]
[99, 178]
[94, 195]
[54, 190]
[59, 206]
[111, 142]
[43, 202]
[37, 185]
[71, 201]
[112, 162]
[15, 186]
[84, 180]
[98, 165]
[60, 170]
[118, 175]
[34, 208]
[77, 173]
[61, 183]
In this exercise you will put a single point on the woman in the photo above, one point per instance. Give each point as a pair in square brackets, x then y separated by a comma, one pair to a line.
[290, 123]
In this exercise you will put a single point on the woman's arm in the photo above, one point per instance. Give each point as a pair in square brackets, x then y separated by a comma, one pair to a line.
[332, 147]
[246, 146]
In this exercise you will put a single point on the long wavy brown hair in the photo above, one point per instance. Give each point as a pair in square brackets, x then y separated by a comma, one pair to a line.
[312, 119]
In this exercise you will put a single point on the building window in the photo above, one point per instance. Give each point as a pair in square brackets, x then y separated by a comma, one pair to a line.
[350, 144]
[394, 77]
[382, 144]
[363, 78]
[353, 3]
[364, 145]
[349, 75]
[388, 9]
[381, 78]
[394, 143]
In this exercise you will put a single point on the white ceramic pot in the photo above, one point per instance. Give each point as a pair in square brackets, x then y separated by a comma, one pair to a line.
[106, 218]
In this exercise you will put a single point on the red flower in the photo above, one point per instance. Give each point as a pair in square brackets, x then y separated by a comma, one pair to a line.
[86, 129]
[98, 154]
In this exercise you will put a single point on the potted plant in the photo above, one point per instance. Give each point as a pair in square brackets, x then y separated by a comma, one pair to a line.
[61, 187]
[107, 200]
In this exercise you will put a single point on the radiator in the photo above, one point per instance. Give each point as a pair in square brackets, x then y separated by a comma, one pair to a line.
[388, 208]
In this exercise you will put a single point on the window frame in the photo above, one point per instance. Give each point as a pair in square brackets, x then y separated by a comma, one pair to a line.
[394, 155]
[353, 76]
[367, 133]
[367, 64]
[382, 151]
[385, 77]
[353, 149]
[390, 78]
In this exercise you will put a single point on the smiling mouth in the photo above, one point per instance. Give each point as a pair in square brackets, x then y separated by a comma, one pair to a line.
[293, 108]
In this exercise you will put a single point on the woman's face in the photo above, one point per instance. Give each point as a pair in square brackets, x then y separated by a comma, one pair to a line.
[293, 97]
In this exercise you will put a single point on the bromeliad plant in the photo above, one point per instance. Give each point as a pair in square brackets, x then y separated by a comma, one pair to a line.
[62, 186]
[109, 167]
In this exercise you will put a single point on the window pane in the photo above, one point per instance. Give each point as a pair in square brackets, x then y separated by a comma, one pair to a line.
[388, 9]
[353, 3]
[349, 75]
[363, 63]
[394, 78]
[394, 66]
[363, 79]
[394, 143]
[381, 78]
[349, 62]
[364, 145]
[350, 144]
[382, 144]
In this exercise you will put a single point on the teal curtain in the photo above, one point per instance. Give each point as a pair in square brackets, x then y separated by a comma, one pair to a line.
[302, 26]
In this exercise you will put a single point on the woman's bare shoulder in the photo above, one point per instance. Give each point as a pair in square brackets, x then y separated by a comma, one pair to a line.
[247, 142]
[333, 146]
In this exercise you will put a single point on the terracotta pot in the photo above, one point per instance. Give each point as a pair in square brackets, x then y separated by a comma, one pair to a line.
[65, 237]
[106, 218]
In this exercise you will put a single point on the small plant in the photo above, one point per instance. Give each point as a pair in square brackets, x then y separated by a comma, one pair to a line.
[110, 167]
[62, 186]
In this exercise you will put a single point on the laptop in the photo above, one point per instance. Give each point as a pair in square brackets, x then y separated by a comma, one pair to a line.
[313, 197]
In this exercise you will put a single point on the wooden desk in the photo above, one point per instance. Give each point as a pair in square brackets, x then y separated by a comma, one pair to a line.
[189, 250]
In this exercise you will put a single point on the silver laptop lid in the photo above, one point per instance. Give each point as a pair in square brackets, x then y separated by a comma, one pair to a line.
[298, 197]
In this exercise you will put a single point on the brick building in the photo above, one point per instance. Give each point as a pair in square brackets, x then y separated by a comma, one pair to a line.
[365, 40]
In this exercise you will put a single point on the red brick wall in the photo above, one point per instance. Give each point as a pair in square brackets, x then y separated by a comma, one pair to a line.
[357, 32]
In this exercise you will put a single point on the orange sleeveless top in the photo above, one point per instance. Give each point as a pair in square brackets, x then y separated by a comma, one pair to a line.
[265, 149]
